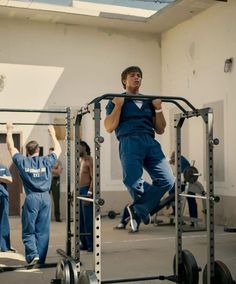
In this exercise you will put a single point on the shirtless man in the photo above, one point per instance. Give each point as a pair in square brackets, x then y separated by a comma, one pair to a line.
[86, 189]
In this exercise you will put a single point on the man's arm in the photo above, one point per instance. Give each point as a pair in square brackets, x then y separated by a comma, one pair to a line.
[111, 122]
[57, 169]
[159, 120]
[10, 143]
[56, 144]
[6, 179]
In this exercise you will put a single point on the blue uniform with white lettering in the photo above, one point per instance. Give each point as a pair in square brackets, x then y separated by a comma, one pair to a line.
[36, 176]
[5, 244]
[139, 150]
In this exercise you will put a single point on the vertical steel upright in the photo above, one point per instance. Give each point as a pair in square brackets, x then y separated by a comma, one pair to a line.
[76, 201]
[207, 115]
[178, 120]
[96, 191]
[68, 196]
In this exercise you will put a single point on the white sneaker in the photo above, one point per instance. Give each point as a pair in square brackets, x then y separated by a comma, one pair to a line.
[34, 261]
[120, 226]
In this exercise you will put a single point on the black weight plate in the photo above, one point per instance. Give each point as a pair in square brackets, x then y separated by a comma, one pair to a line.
[189, 174]
[222, 274]
[112, 214]
[63, 271]
[73, 272]
[189, 272]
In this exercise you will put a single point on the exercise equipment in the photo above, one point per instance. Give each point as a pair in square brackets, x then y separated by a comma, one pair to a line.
[222, 274]
[189, 270]
[185, 266]
[67, 124]
[112, 214]
[195, 224]
[66, 272]
[191, 174]
[27, 267]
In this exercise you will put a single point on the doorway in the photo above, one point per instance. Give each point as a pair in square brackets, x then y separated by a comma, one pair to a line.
[14, 189]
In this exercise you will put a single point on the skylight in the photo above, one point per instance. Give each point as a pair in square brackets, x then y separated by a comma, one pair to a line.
[132, 8]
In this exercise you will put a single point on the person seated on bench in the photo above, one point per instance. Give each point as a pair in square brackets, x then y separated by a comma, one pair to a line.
[192, 204]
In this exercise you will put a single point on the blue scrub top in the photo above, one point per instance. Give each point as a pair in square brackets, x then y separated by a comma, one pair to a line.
[3, 187]
[184, 163]
[35, 172]
[134, 120]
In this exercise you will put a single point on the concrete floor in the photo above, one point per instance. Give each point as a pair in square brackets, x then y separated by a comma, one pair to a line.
[124, 255]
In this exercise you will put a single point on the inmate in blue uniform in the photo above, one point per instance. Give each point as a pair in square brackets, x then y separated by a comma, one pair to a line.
[36, 176]
[139, 150]
[5, 244]
[86, 221]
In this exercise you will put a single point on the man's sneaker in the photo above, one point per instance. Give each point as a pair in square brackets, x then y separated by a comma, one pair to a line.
[120, 226]
[147, 220]
[134, 220]
[34, 261]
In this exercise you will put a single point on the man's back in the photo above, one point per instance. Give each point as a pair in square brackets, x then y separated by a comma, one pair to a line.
[35, 171]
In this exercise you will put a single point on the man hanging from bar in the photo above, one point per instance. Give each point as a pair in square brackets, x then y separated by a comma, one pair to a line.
[135, 123]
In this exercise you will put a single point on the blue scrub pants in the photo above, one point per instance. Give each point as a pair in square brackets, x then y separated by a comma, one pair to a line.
[36, 215]
[144, 152]
[5, 244]
[86, 220]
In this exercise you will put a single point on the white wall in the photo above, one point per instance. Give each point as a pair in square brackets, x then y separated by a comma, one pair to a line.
[193, 55]
[55, 65]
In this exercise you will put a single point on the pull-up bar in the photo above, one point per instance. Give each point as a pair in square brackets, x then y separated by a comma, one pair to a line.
[167, 99]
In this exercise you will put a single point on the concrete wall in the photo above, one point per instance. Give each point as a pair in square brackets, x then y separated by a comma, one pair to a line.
[193, 57]
[51, 66]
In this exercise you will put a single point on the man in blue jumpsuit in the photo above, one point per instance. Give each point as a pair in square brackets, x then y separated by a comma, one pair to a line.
[36, 174]
[135, 123]
[192, 204]
[5, 178]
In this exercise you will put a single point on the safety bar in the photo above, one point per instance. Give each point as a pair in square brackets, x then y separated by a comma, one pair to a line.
[212, 197]
[167, 99]
[85, 198]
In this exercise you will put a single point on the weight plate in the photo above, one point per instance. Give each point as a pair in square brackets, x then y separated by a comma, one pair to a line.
[112, 214]
[73, 272]
[222, 274]
[189, 271]
[63, 271]
[88, 277]
[190, 174]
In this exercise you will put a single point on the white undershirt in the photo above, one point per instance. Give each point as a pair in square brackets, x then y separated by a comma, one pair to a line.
[138, 103]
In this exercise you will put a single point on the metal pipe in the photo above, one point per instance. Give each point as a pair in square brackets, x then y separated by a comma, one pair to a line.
[85, 198]
[31, 110]
[36, 124]
[145, 97]
[193, 196]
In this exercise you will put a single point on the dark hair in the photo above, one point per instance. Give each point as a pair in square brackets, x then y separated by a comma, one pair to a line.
[128, 70]
[87, 148]
[51, 149]
[31, 147]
